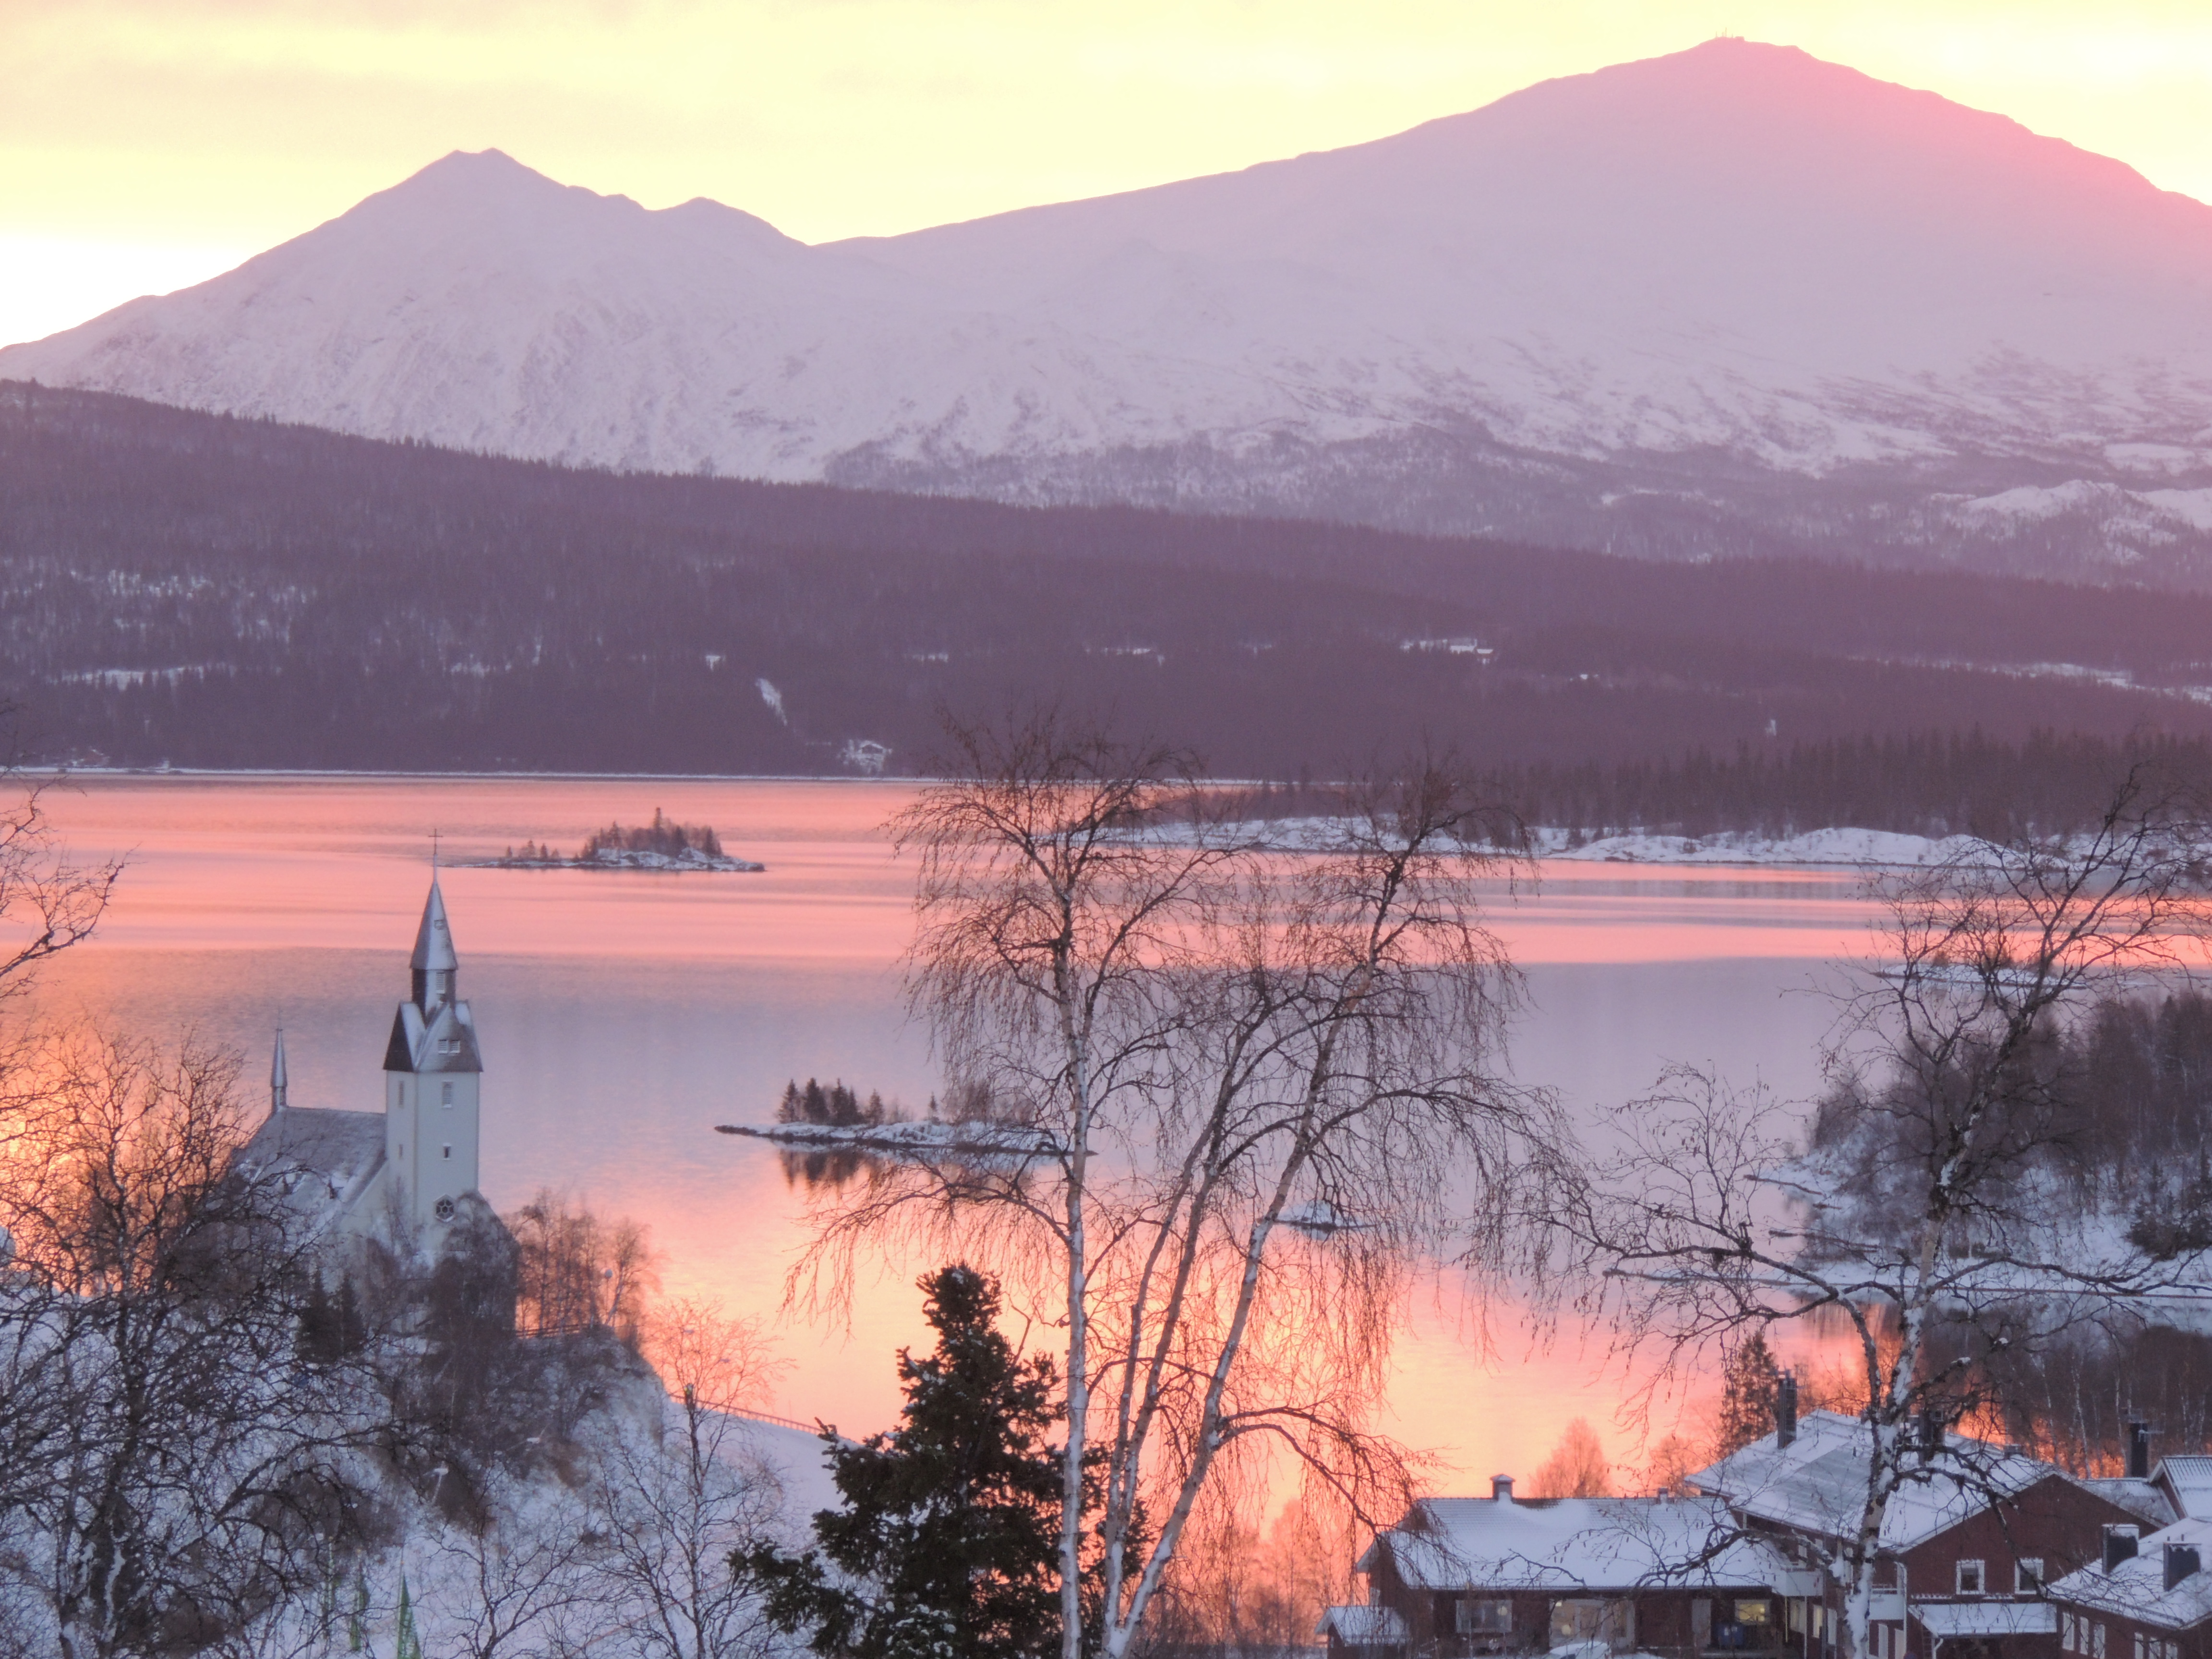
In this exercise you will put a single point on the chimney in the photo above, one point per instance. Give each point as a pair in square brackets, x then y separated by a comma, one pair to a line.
[2138, 1451]
[1931, 1436]
[1501, 1488]
[1785, 1409]
[2181, 1562]
[2120, 1544]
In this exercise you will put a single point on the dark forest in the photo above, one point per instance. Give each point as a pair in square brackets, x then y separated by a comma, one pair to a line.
[204, 591]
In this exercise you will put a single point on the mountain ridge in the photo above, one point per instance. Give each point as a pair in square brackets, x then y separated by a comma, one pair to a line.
[1733, 300]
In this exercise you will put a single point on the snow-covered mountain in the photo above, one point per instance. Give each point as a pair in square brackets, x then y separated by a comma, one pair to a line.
[1734, 297]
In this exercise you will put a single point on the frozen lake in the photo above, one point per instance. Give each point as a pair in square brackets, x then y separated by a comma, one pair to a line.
[622, 1014]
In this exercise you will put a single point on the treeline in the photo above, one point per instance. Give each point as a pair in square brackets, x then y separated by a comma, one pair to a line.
[663, 836]
[1928, 783]
[204, 591]
[2113, 1109]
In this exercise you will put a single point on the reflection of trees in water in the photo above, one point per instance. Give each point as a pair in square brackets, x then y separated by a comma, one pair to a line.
[826, 1172]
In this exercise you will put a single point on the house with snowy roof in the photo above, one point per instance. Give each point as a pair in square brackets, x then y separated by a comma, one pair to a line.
[2146, 1597]
[1968, 1545]
[1462, 1576]
[1973, 1551]
[405, 1173]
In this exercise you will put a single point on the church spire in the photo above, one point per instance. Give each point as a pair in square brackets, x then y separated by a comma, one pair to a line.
[434, 964]
[279, 1083]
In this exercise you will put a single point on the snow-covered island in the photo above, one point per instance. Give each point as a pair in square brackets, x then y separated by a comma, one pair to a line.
[664, 844]
[924, 1140]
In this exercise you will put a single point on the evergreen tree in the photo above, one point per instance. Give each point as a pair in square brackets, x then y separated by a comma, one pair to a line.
[407, 1643]
[946, 1539]
[1746, 1407]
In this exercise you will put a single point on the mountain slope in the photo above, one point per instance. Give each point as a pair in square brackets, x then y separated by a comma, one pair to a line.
[1732, 299]
[224, 592]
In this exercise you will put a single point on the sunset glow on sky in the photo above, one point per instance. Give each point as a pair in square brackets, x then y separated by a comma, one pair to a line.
[146, 144]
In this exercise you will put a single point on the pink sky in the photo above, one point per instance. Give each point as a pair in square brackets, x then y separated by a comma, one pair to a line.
[147, 144]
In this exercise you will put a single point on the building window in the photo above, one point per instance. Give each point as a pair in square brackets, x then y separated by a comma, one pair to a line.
[2066, 1632]
[1476, 1617]
[1613, 1622]
[1970, 1578]
[2140, 1654]
[444, 1094]
[1760, 1611]
[2027, 1575]
[448, 1152]
[2096, 1642]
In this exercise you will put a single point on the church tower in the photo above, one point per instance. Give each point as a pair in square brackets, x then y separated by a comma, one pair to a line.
[431, 1072]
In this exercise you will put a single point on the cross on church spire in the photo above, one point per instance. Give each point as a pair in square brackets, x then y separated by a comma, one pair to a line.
[433, 848]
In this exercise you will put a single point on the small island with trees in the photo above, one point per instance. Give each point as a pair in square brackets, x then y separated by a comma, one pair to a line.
[664, 844]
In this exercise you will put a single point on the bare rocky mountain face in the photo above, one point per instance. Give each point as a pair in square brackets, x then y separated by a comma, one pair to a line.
[1734, 300]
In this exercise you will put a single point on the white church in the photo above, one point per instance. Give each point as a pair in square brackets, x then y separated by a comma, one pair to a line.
[400, 1174]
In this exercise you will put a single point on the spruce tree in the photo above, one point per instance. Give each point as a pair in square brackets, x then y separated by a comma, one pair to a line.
[946, 1541]
[1746, 1407]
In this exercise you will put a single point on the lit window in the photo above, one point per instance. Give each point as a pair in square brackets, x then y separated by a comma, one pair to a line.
[1484, 1617]
[2028, 1574]
[1970, 1578]
[1758, 1611]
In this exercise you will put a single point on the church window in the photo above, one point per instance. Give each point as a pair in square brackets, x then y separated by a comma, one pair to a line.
[444, 1094]
[445, 1151]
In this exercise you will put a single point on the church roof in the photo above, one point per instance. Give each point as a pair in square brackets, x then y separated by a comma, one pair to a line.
[325, 1158]
[433, 939]
[445, 1040]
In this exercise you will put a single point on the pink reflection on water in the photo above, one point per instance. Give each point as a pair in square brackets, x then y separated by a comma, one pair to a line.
[626, 1012]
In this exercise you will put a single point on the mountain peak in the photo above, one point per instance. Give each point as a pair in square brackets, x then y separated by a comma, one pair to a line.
[1736, 257]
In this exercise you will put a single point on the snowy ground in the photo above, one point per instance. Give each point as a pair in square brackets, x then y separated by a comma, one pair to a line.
[1835, 848]
[1850, 848]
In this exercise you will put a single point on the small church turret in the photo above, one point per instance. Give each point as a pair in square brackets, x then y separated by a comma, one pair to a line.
[279, 1083]
[431, 1072]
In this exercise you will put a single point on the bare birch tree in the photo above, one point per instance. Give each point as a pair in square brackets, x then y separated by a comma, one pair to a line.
[513, 1585]
[1242, 1093]
[1924, 1215]
[675, 1507]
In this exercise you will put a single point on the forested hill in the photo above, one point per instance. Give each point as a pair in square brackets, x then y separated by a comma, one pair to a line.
[214, 592]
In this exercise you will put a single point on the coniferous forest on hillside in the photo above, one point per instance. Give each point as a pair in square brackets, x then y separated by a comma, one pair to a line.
[203, 591]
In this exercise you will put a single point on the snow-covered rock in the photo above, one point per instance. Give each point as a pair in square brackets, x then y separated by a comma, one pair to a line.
[1599, 301]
